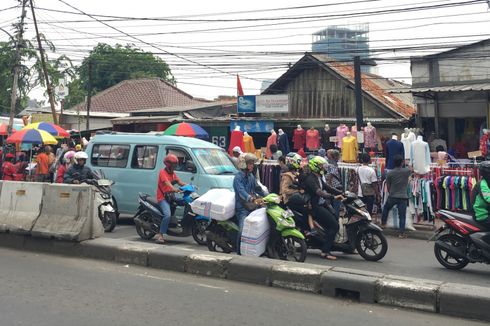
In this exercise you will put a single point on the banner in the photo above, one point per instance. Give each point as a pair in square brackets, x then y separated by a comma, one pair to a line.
[42, 117]
[263, 104]
[253, 126]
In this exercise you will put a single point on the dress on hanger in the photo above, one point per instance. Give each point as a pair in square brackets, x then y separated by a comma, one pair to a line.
[248, 144]
[407, 140]
[271, 140]
[341, 132]
[283, 144]
[312, 139]
[349, 149]
[370, 137]
[299, 139]
[236, 139]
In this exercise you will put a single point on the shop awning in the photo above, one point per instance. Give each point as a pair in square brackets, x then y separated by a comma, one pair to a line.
[452, 88]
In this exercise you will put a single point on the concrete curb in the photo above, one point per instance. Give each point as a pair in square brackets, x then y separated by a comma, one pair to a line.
[446, 298]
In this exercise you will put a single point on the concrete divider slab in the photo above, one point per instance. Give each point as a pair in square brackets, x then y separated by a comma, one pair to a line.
[464, 300]
[20, 206]
[251, 270]
[408, 292]
[134, 253]
[168, 258]
[300, 277]
[350, 283]
[68, 213]
[208, 264]
[101, 248]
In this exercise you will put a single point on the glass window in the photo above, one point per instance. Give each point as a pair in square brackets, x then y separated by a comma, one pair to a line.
[183, 157]
[144, 157]
[215, 161]
[110, 155]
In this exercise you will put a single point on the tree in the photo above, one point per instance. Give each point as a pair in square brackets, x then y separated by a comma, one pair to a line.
[111, 65]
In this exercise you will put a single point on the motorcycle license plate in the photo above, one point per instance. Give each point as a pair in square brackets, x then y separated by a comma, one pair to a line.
[359, 203]
[104, 182]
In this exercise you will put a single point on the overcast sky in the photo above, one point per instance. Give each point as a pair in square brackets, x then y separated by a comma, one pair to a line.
[258, 43]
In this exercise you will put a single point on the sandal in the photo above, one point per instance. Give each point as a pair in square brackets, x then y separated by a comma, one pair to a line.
[328, 256]
[160, 239]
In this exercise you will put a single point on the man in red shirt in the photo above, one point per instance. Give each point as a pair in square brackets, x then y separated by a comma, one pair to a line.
[166, 179]
[8, 167]
[42, 167]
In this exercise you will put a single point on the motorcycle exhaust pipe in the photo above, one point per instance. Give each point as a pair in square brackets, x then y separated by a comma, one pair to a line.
[454, 252]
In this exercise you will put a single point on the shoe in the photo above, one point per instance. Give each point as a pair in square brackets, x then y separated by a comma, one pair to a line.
[402, 236]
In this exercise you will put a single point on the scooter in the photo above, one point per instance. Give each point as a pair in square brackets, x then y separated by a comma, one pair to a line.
[460, 241]
[361, 233]
[149, 217]
[285, 241]
[104, 201]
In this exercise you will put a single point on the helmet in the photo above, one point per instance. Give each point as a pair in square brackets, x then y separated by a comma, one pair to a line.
[78, 147]
[485, 170]
[293, 161]
[316, 164]
[80, 156]
[171, 161]
[68, 157]
[246, 159]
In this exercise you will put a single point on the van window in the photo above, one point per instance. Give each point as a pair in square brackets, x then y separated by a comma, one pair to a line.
[110, 155]
[144, 157]
[183, 157]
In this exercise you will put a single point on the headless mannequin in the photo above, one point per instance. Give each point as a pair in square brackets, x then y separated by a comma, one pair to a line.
[299, 138]
[420, 156]
[312, 139]
[370, 137]
[407, 138]
[325, 133]
[271, 140]
[393, 148]
[349, 148]
[248, 143]
[283, 142]
[236, 139]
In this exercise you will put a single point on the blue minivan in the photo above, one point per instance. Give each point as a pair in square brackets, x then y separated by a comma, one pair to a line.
[134, 161]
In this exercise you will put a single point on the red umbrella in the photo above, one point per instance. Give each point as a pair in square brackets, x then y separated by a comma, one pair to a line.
[4, 129]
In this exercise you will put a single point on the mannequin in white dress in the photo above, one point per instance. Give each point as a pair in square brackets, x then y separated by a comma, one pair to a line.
[407, 138]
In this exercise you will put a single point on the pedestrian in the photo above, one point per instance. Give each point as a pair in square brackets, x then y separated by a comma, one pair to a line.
[65, 163]
[397, 184]
[368, 189]
[42, 166]
[8, 168]
[236, 153]
[165, 193]
[51, 162]
[332, 177]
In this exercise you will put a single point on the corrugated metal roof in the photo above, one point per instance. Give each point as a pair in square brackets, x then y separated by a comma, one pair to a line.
[452, 88]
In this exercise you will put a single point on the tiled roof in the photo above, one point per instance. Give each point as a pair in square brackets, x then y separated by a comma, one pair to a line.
[138, 94]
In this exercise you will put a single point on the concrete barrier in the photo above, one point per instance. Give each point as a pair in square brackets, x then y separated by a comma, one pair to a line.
[20, 206]
[68, 213]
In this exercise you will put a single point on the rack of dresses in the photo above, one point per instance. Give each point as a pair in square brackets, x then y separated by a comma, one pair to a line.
[454, 192]
[421, 199]
[348, 176]
[270, 175]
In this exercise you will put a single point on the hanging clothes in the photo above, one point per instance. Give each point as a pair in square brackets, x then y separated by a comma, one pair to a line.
[283, 143]
[393, 148]
[407, 139]
[248, 144]
[341, 132]
[271, 140]
[370, 137]
[420, 156]
[270, 176]
[299, 138]
[312, 139]
[325, 135]
[349, 149]
[236, 139]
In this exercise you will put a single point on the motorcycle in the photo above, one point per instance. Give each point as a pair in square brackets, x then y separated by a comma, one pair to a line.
[285, 241]
[149, 217]
[460, 241]
[361, 233]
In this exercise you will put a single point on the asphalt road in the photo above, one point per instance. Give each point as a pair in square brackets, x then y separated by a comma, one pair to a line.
[41, 290]
[407, 257]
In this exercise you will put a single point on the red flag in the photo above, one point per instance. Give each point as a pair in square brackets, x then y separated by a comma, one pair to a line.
[239, 88]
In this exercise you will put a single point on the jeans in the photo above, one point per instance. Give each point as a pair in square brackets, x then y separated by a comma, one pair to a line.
[241, 213]
[165, 207]
[401, 204]
[336, 207]
[328, 221]
[369, 201]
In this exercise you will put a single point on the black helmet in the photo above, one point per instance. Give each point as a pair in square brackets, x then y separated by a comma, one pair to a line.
[485, 170]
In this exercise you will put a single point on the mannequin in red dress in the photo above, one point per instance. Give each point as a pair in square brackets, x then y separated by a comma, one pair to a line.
[299, 138]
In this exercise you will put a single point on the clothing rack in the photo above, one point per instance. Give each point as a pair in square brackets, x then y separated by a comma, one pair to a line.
[270, 175]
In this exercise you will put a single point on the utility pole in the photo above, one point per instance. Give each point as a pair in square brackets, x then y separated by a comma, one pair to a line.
[89, 94]
[358, 93]
[13, 93]
[45, 68]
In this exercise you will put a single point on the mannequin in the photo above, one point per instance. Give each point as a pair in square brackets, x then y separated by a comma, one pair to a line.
[325, 134]
[248, 143]
[236, 139]
[370, 136]
[299, 138]
[393, 148]
[349, 148]
[271, 140]
[420, 156]
[341, 132]
[312, 139]
[283, 142]
[407, 138]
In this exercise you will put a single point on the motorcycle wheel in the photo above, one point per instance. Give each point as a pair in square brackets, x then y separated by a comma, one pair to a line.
[109, 221]
[142, 232]
[199, 231]
[371, 245]
[444, 258]
[291, 248]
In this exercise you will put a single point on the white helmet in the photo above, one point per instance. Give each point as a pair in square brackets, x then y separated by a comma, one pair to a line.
[81, 156]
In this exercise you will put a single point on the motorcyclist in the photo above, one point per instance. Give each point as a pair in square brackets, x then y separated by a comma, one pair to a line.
[246, 190]
[78, 172]
[289, 179]
[320, 194]
[165, 191]
[482, 195]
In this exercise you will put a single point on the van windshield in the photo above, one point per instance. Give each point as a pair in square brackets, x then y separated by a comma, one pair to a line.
[215, 161]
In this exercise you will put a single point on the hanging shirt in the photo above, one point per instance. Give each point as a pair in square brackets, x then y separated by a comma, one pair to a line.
[236, 139]
[312, 139]
[370, 137]
[283, 144]
[248, 144]
[407, 140]
[342, 130]
[299, 138]
[349, 149]
[393, 148]
[420, 157]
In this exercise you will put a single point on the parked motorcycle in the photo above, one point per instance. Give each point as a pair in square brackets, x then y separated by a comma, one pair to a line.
[461, 240]
[104, 200]
[285, 241]
[149, 217]
[361, 233]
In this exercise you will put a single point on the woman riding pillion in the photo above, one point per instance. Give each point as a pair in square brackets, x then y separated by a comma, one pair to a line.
[165, 190]
[246, 190]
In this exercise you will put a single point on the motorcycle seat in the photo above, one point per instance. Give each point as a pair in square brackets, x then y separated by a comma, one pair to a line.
[465, 218]
[152, 201]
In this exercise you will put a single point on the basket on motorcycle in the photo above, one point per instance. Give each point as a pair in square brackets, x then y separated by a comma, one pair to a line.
[218, 204]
